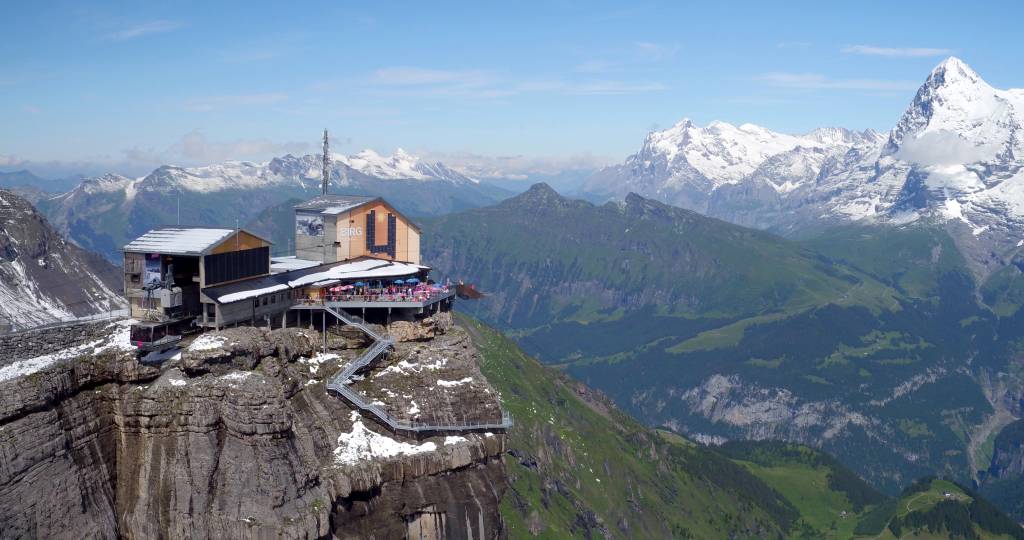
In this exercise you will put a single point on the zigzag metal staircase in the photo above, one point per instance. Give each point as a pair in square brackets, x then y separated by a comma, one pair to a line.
[339, 383]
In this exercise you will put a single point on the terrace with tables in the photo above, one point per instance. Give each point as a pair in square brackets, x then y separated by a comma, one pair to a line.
[398, 293]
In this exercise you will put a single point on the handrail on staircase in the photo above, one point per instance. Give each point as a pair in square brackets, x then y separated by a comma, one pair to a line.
[339, 384]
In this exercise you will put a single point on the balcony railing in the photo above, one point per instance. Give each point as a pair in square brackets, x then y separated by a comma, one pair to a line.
[381, 298]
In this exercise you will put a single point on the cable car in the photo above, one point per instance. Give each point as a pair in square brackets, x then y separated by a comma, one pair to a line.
[151, 336]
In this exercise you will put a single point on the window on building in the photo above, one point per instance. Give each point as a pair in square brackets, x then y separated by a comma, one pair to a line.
[264, 300]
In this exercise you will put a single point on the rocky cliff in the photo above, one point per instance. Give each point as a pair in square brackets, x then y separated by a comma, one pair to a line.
[43, 277]
[236, 436]
[1008, 452]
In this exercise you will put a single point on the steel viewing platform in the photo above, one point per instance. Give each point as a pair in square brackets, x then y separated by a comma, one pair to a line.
[373, 301]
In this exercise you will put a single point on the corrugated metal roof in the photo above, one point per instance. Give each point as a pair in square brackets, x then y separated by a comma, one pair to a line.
[178, 240]
[334, 204]
[367, 268]
[287, 264]
[182, 240]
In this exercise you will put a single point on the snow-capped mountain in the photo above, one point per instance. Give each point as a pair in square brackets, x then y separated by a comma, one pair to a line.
[400, 165]
[685, 164]
[288, 171]
[104, 212]
[43, 277]
[955, 157]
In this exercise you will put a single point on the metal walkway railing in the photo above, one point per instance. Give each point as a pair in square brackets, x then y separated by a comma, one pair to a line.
[339, 383]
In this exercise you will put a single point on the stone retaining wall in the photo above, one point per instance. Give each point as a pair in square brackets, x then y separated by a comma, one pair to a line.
[32, 343]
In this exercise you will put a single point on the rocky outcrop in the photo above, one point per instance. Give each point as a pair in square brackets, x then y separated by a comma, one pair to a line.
[244, 348]
[1008, 452]
[435, 382]
[236, 438]
[43, 277]
[421, 330]
[33, 343]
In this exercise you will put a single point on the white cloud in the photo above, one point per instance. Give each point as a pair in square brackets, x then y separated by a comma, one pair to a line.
[896, 52]
[142, 29]
[10, 161]
[640, 54]
[656, 51]
[815, 81]
[612, 88]
[487, 84]
[415, 76]
[596, 66]
[194, 148]
[517, 167]
[211, 103]
[941, 148]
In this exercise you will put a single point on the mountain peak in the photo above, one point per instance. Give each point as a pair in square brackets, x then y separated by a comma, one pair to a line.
[541, 189]
[953, 71]
[955, 99]
[540, 195]
[401, 155]
[683, 124]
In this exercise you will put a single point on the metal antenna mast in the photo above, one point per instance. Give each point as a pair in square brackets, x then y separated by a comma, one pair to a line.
[326, 174]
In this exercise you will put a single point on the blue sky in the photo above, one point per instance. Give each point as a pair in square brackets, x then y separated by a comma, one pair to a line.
[126, 86]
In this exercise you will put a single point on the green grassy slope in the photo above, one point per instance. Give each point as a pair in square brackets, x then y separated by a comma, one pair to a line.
[934, 508]
[831, 499]
[580, 467]
[911, 259]
[651, 304]
[557, 266]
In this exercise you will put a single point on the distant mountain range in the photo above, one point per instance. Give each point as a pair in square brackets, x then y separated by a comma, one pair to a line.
[26, 184]
[955, 157]
[44, 278]
[868, 342]
[103, 213]
[578, 467]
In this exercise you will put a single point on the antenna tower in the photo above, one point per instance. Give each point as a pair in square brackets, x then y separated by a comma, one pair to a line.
[326, 174]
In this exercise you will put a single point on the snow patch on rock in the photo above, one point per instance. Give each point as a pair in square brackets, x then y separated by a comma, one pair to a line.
[449, 384]
[363, 444]
[207, 342]
[118, 340]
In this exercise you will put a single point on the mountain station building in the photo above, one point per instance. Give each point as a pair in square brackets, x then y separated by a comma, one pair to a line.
[353, 253]
[333, 228]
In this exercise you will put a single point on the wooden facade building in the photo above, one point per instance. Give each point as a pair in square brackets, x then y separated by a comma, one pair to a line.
[166, 269]
[332, 228]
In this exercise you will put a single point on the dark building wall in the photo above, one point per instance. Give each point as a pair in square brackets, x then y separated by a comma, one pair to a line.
[233, 265]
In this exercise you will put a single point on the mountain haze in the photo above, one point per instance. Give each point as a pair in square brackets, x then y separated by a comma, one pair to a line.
[105, 212]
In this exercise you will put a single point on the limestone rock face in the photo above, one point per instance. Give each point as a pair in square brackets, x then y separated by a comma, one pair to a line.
[423, 330]
[239, 439]
[434, 381]
[244, 347]
[349, 337]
